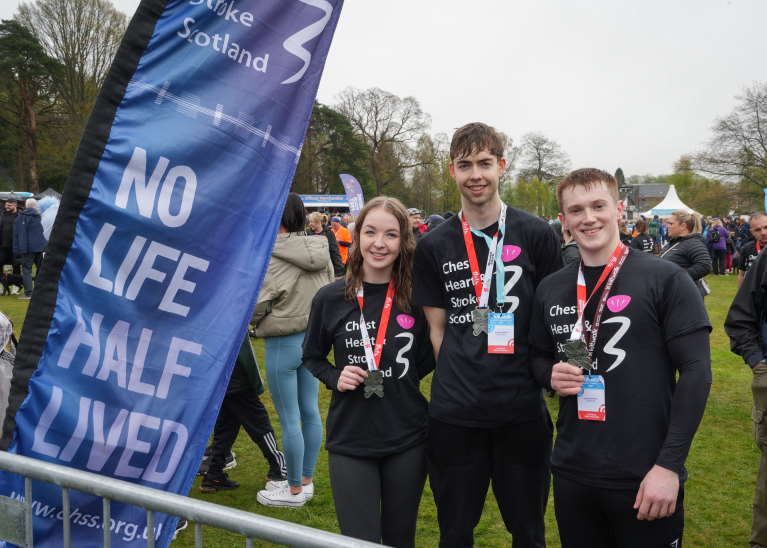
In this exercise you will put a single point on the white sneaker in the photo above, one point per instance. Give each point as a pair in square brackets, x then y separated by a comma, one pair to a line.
[281, 497]
[273, 485]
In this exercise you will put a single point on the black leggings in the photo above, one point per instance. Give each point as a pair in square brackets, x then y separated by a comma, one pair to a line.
[377, 499]
[593, 517]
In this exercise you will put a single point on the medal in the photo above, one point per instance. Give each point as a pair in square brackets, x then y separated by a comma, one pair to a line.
[578, 354]
[374, 384]
[374, 380]
[479, 320]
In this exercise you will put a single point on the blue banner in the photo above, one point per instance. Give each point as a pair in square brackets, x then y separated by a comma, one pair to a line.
[353, 193]
[163, 236]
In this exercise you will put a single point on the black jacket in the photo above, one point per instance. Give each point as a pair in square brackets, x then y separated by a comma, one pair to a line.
[570, 253]
[745, 322]
[689, 252]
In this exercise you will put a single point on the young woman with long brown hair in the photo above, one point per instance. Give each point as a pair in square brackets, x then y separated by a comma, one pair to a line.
[376, 426]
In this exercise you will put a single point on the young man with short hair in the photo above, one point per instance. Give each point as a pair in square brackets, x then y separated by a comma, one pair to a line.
[475, 276]
[751, 249]
[609, 334]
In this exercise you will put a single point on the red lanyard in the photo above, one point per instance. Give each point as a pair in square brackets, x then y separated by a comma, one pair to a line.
[482, 292]
[375, 355]
[758, 247]
[610, 270]
[581, 288]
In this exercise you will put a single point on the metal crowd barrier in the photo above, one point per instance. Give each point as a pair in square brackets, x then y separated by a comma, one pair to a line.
[16, 516]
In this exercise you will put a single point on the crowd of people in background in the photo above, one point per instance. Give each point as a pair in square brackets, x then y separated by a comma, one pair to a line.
[22, 243]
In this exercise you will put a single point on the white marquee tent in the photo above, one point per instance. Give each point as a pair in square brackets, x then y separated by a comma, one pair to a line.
[669, 204]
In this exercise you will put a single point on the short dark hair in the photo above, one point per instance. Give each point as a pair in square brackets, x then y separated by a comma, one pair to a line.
[475, 137]
[587, 177]
[293, 216]
[641, 227]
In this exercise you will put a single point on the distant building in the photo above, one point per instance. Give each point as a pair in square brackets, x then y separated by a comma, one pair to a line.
[640, 198]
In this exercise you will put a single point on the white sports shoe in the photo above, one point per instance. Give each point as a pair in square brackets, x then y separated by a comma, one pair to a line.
[281, 497]
[273, 485]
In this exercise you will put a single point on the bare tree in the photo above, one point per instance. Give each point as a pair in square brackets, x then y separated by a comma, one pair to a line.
[83, 35]
[542, 158]
[391, 127]
[738, 149]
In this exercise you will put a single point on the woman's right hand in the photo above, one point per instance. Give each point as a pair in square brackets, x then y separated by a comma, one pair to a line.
[351, 377]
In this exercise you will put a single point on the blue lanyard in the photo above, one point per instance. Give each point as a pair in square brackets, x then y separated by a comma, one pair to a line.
[500, 278]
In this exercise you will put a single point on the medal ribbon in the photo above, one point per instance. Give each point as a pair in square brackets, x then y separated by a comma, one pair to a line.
[373, 356]
[482, 284]
[611, 269]
[602, 302]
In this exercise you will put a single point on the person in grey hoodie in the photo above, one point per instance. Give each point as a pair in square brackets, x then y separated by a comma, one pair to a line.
[299, 267]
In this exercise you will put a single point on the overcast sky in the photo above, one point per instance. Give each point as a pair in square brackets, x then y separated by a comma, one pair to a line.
[622, 83]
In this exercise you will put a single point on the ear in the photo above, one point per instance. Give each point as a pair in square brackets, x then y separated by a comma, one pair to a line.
[501, 166]
[621, 209]
[451, 168]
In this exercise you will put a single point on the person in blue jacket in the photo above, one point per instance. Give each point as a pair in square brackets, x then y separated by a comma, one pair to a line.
[28, 244]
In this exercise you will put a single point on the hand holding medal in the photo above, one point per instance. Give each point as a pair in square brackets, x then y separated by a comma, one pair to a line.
[351, 377]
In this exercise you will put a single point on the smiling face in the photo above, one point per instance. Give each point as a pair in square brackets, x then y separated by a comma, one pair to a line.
[591, 214]
[477, 176]
[379, 244]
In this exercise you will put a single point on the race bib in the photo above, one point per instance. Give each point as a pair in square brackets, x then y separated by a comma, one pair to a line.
[591, 399]
[500, 333]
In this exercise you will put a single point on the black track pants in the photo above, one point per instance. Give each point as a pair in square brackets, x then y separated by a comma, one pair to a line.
[594, 517]
[377, 499]
[244, 408]
[462, 463]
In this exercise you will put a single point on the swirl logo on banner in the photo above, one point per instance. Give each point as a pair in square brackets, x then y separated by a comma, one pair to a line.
[154, 266]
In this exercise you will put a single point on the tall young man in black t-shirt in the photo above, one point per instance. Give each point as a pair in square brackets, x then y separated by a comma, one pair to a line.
[488, 420]
[609, 335]
[751, 249]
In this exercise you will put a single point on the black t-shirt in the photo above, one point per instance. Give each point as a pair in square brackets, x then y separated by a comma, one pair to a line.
[643, 242]
[471, 387]
[374, 427]
[748, 255]
[651, 302]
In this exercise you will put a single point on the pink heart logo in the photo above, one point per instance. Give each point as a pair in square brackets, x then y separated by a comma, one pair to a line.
[618, 303]
[510, 252]
[405, 321]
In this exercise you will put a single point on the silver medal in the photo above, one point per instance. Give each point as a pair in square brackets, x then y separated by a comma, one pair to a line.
[479, 320]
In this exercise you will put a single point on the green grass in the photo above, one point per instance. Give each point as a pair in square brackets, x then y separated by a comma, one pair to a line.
[722, 463]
